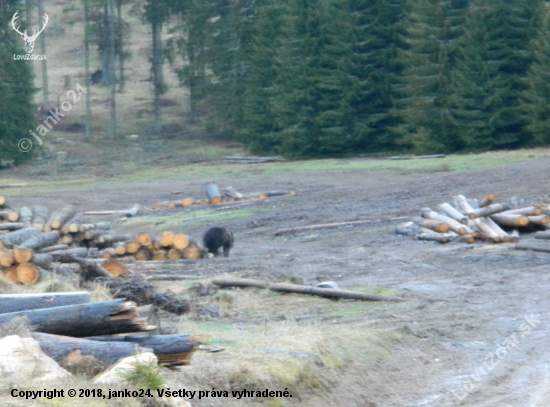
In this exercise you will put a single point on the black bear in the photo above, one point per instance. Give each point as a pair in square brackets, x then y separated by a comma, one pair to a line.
[217, 237]
[97, 77]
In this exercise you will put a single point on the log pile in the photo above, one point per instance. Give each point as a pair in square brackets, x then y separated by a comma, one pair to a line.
[213, 196]
[31, 239]
[467, 220]
[78, 334]
[144, 246]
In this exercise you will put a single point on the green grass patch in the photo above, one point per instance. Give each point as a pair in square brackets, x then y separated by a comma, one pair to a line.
[177, 220]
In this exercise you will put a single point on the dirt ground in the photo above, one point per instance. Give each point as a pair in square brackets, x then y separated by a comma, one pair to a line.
[469, 300]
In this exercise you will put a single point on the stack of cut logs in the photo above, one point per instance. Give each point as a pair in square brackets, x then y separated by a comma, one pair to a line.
[76, 332]
[467, 220]
[213, 197]
[30, 241]
[169, 246]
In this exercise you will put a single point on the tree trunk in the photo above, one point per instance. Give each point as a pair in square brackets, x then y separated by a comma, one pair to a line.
[112, 56]
[487, 200]
[59, 217]
[12, 226]
[212, 193]
[301, 289]
[22, 255]
[19, 236]
[435, 225]
[539, 219]
[453, 224]
[172, 350]
[43, 260]
[88, 112]
[510, 220]
[120, 47]
[25, 215]
[465, 207]
[96, 318]
[44, 62]
[491, 209]
[527, 211]
[487, 230]
[40, 241]
[158, 80]
[25, 302]
[83, 355]
[39, 216]
[66, 256]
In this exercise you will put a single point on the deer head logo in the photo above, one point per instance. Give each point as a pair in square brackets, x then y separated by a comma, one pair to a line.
[29, 41]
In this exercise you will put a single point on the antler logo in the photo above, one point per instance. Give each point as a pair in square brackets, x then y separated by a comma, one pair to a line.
[29, 41]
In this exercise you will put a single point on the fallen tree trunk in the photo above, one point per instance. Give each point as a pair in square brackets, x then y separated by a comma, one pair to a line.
[83, 355]
[40, 241]
[539, 219]
[19, 236]
[279, 193]
[56, 247]
[435, 225]
[453, 213]
[96, 318]
[527, 211]
[22, 255]
[9, 215]
[465, 207]
[171, 350]
[301, 289]
[25, 302]
[491, 209]
[232, 193]
[39, 216]
[212, 193]
[133, 211]
[29, 274]
[487, 200]
[432, 237]
[487, 230]
[12, 186]
[299, 229]
[534, 245]
[6, 258]
[59, 217]
[505, 237]
[512, 220]
[67, 256]
[12, 225]
[453, 224]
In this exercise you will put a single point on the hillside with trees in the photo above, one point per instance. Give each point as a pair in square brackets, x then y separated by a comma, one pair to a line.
[321, 78]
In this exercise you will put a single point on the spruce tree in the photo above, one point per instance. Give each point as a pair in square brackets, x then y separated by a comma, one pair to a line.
[435, 26]
[312, 96]
[267, 39]
[490, 77]
[378, 37]
[537, 96]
